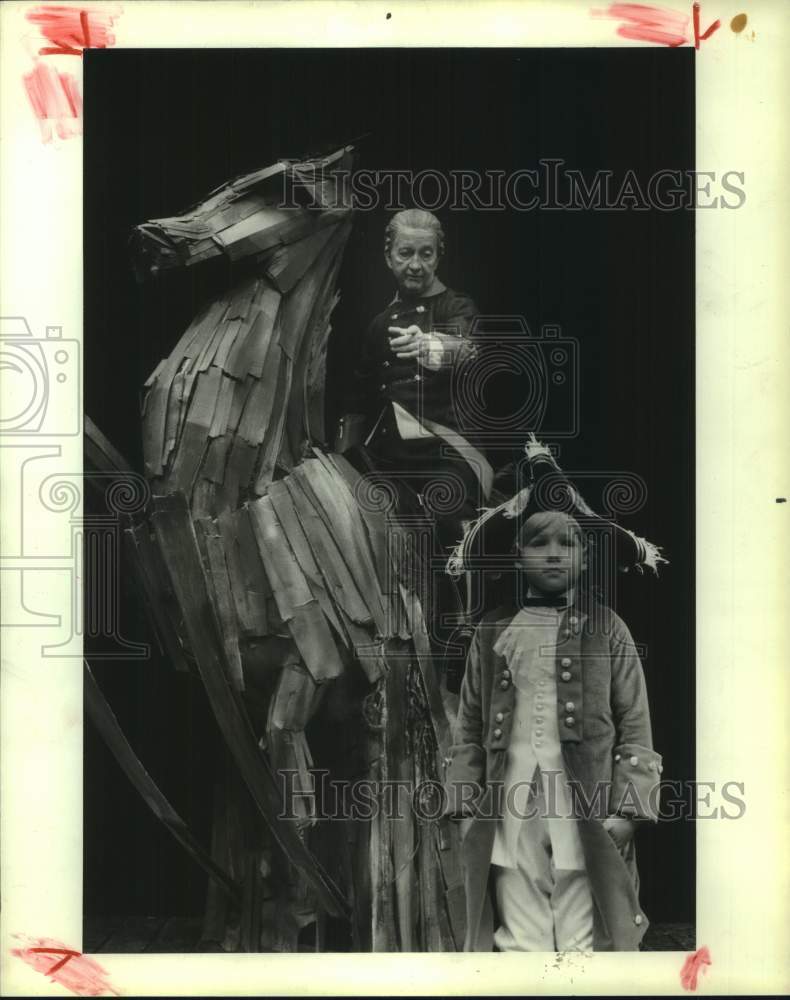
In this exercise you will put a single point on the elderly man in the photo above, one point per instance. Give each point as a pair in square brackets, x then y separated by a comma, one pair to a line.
[400, 401]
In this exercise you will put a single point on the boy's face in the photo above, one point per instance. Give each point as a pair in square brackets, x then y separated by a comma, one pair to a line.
[552, 558]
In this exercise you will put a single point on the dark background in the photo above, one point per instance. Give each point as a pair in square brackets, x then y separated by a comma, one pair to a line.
[164, 127]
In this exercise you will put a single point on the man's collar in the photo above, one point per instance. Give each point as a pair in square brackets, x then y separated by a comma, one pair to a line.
[437, 287]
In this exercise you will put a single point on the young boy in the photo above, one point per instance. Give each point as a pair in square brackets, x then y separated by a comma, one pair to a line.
[552, 762]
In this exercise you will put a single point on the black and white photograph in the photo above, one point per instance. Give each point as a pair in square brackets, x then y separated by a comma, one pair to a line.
[399, 350]
[394, 498]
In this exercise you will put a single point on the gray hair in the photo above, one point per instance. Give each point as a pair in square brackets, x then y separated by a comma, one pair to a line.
[414, 218]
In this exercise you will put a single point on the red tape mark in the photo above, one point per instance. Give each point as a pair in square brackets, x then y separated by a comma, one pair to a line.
[70, 30]
[78, 973]
[692, 967]
[660, 25]
[56, 101]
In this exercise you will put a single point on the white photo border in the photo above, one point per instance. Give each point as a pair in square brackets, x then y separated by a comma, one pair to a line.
[742, 263]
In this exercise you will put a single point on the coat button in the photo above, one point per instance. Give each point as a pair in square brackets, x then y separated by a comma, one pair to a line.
[566, 675]
[638, 919]
[504, 685]
[497, 733]
[538, 732]
[499, 717]
[573, 620]
[569, 706]
[382, 387]
[633, 761]
[418, 378]
[386, 364]
[565, 661]
[420, 309]
[506, 673]
[394, 316]
[653, 765]
[539, 720]
[570, 721]
[617, 756]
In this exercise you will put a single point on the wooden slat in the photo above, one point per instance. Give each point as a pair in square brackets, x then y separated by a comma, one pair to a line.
[194, 439]
[378, 532]
[238, 474]
[340, 582]
[260, 403]
[249, 353]
[202, 362]
[217, 573]
[315, 377]
[297, 540]
[368, 650]
[272, 449]
[400, 768]
[242, 297]
[317, 287]
[248, 583]
[262, 228]
[216, 459]
[430, 931]
[174, 418]
[154, 437]
[241, 393]
[298, 608]
[100, 452]
[287, 264]
[430, 680]
[287, 751]
[177, 540]
[295, 699]
[329, 489]
[384, 926]
[159, 604]
[221, 418]
[261, 231]
[450, 914]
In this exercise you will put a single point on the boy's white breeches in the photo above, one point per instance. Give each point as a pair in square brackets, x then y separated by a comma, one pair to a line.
[542, 908]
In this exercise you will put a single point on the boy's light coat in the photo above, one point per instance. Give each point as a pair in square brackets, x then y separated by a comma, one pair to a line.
[606, 747]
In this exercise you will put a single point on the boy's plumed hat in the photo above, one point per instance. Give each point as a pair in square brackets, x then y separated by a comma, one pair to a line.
[488, 542]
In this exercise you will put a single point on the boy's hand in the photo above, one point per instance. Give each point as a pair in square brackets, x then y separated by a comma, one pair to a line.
[620, 829]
